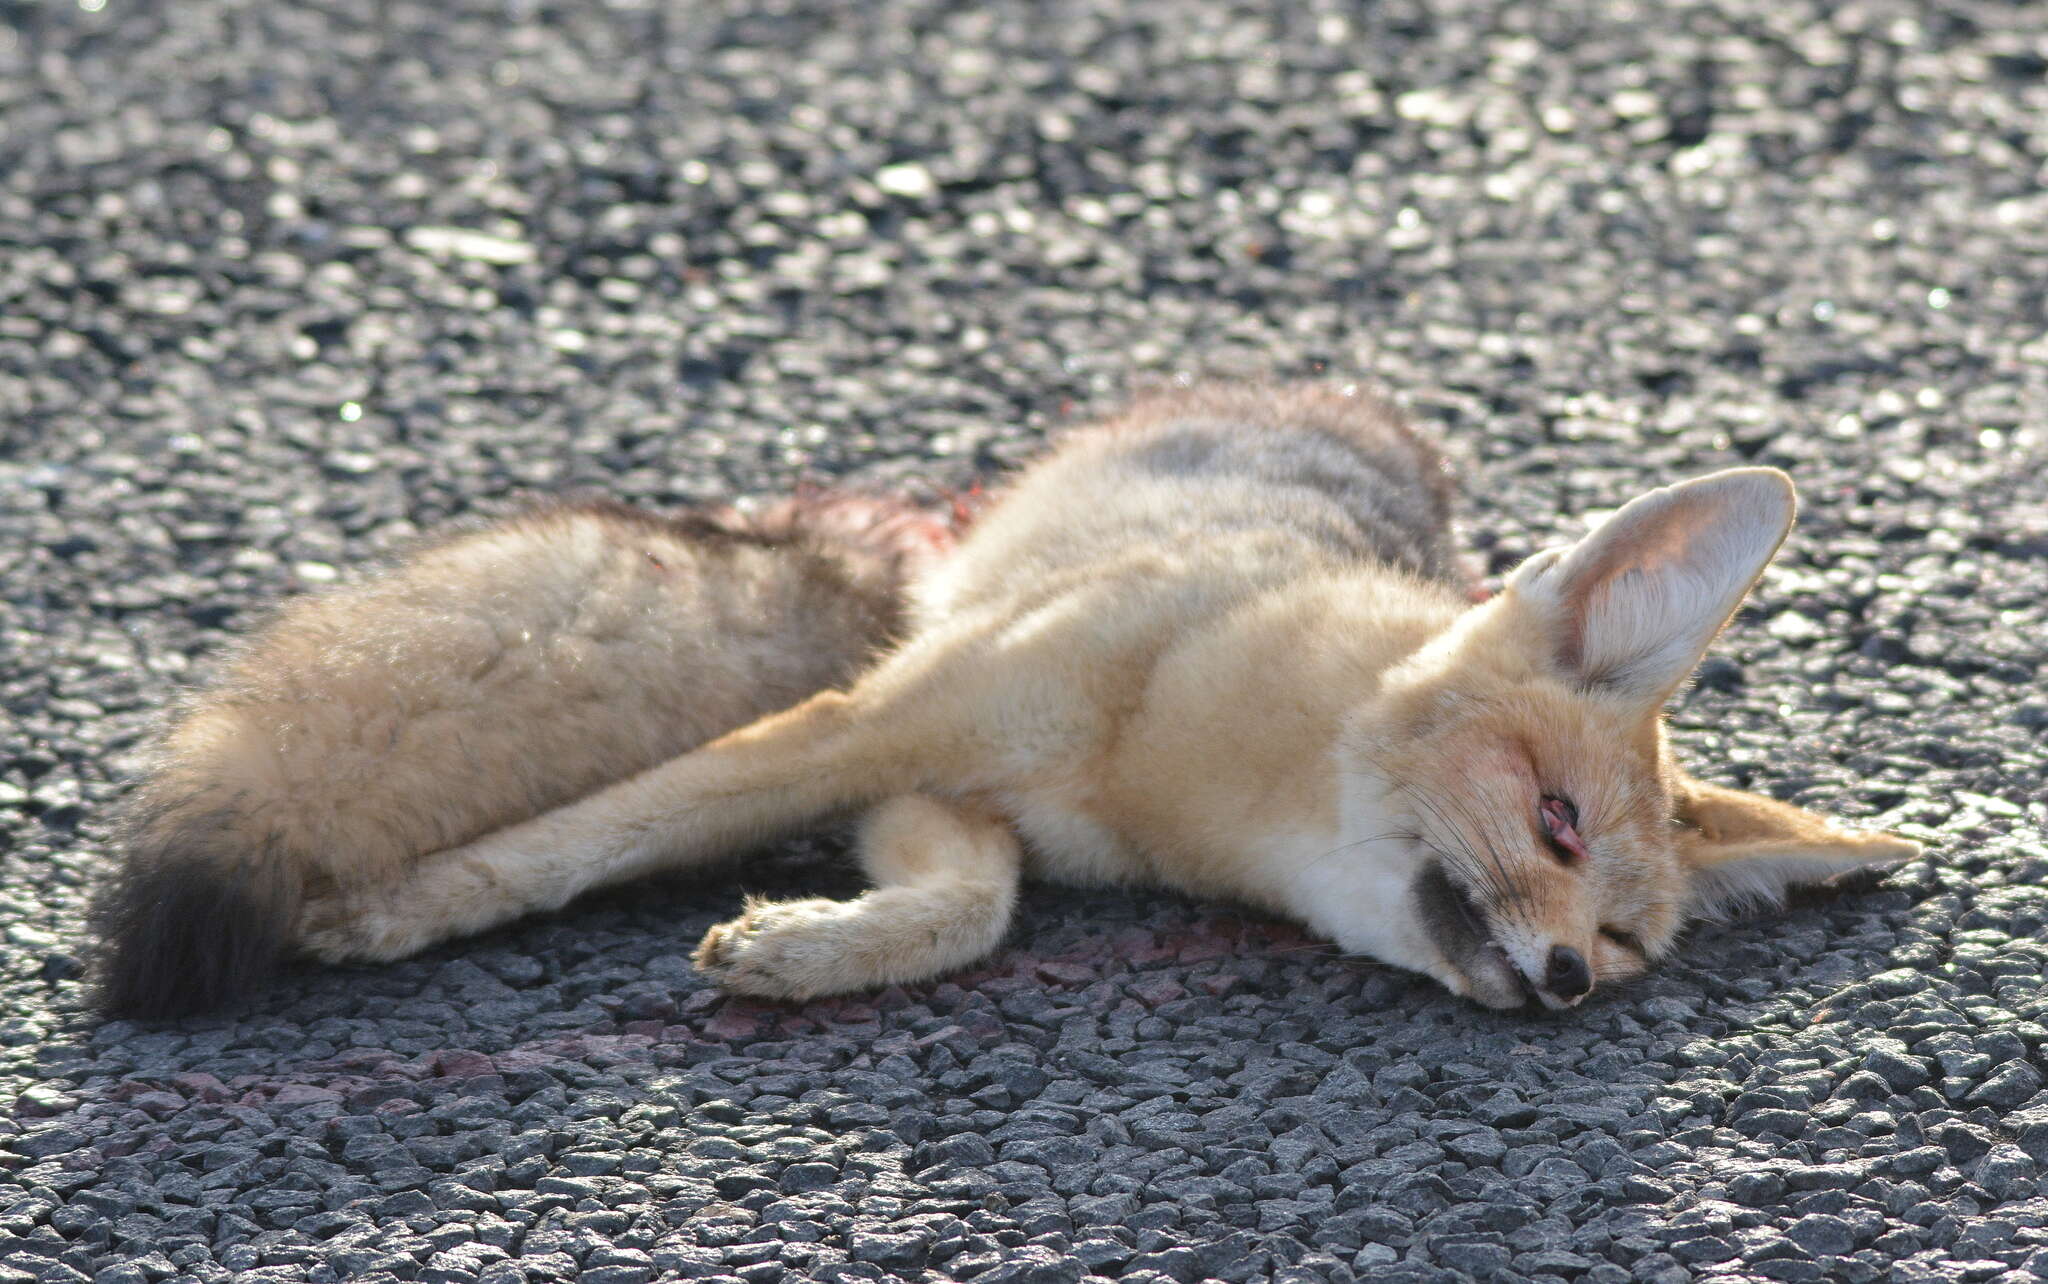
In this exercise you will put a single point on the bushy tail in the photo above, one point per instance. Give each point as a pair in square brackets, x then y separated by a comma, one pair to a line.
[369, 727]
[199, 916]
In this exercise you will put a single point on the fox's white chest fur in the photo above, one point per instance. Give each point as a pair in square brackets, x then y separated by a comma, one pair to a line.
[1220, 644]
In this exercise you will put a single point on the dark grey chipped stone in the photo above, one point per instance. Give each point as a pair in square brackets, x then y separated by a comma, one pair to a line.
[2029, 1129]
[1790, 1270]
[1504, 1109]
[961, 1149]
[1552, 1179]
[1822, 1235]
[1901, 1071]
[686, 1261]
[2008, 1086]
[1480, 1148]
[1917, 1161]
[1475, 1258]
[1846, 1175]
[1964, 1142]
[1101, 1255]
[1032, 1264]
[808, 1177]
[1178, 1263]
[897, 1250]
[1702, 1248]
[1552, 1261]
[42, 1143]
[1756, 1188]
[968, 1265]
[2007, 1172]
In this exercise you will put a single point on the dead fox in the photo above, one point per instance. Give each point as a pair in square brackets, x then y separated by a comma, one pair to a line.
[1219, 643]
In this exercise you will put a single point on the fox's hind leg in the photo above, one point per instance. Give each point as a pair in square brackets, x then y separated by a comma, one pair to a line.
[945, 878]
[443, 896]
[752, 784]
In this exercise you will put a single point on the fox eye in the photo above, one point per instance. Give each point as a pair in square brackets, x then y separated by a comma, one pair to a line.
[1561, 829]
[1626, 940]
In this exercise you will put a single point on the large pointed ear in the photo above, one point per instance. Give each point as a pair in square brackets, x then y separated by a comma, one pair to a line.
[1744, 851]
[1631, 608]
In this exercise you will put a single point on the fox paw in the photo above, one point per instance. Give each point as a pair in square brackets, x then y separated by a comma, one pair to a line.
[352, 933]
[783, 950]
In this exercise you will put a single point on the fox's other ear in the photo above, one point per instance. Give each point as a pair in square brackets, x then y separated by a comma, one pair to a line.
[1632, 607]
[1744, 851]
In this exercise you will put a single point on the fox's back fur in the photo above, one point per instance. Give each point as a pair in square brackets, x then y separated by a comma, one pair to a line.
[1220, 643]
[1341, 478]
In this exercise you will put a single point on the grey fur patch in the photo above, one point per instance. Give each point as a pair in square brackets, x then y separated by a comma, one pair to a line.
[1345, 470]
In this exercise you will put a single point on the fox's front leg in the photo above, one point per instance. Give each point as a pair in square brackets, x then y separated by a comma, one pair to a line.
[945, 877]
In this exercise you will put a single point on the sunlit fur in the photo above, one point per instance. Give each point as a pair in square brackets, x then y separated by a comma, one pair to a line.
[1220, 645]
[1488, 741]
[494, 675]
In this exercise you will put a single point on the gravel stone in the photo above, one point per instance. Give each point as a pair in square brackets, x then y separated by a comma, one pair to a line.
[1483, 1260]
[1898, 1070]
[1822, 1235]
[2010, 1085]
[1032, 1264]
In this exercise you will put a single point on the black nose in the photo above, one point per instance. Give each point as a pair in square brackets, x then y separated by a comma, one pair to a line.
[1568, 977]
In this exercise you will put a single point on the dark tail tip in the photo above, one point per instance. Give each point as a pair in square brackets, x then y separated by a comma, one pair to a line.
[185, 936]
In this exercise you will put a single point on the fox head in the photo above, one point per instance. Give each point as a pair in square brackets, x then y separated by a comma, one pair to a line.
[1525, 752]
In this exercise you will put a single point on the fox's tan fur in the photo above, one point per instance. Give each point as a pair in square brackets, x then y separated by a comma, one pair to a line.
[353, 689]
[1136, 668]
[494, 676]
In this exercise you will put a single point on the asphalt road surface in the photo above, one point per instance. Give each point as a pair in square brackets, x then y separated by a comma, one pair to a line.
[282, 285]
